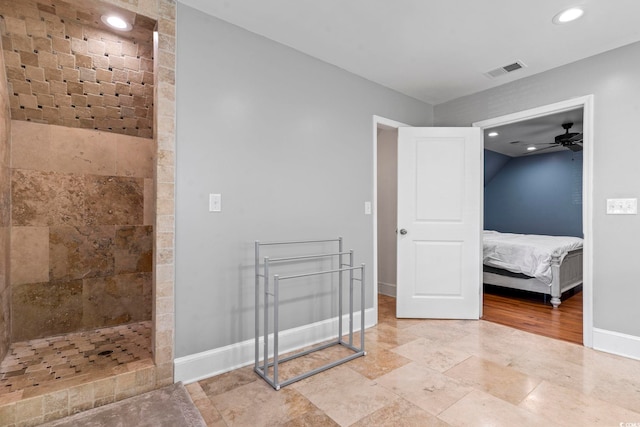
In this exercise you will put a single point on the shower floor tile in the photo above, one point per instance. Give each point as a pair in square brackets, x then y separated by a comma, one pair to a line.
[43, 362]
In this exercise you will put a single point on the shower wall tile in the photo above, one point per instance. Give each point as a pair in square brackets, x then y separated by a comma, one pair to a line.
[5, 264]
[165, 240]
[5, 267]
[66, 195]
[29, 255]
[166, 224]
[5, 207]
[81, 252]
[30, 145]
[114, 200]
[42, 147]
[5, 197]
[164, 11]
[46, 198]
[5, 321]
[149, 202]
[133, 249]
[116, 300]
[166, 256]
[134, 156]
[5, 119]
[166, 207]
[46, 309]
[82, 151]
[5, 223]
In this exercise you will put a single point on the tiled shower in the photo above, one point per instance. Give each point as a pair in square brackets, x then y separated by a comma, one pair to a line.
[80, 249]
[79, 161]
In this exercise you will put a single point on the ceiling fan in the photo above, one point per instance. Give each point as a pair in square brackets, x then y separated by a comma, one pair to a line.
[569, 140]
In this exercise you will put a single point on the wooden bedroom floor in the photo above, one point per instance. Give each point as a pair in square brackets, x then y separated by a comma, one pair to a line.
[529, 313]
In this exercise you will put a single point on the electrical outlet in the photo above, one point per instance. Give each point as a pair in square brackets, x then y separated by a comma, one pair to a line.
[215, 203]
[367, 208]
[622, 206]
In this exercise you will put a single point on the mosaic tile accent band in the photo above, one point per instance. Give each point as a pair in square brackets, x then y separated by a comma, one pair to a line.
[65, 68]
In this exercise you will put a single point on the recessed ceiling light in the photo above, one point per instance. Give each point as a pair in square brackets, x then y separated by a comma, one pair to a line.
[531, 148]
[568, 15]
[116, 22]
[492, 134]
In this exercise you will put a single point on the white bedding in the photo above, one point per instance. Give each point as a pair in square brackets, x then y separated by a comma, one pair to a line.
[528, 254]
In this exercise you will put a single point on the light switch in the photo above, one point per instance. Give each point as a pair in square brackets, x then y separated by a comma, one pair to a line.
[215, 202]
[622, 206]
[367, 208]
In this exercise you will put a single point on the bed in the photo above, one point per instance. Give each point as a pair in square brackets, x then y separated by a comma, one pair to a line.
[549, 265]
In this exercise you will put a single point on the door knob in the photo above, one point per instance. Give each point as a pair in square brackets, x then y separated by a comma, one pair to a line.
[403, 231]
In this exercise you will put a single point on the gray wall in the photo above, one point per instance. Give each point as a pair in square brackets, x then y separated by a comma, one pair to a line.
[288, 142]
[612, 78]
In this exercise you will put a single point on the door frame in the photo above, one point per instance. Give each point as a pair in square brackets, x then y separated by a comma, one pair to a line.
[378, 120]
[586, 102]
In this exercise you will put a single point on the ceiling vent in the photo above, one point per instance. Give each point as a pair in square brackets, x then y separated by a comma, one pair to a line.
[506, 69]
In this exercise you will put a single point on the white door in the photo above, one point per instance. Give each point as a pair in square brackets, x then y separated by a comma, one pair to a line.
[439, 223]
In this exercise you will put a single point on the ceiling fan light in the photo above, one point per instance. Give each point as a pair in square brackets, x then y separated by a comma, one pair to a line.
[531, 148]
[568, 15]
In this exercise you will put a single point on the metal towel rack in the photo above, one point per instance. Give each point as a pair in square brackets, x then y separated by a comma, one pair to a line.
[262, 366]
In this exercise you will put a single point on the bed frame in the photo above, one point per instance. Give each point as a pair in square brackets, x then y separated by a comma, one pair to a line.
[566, 275]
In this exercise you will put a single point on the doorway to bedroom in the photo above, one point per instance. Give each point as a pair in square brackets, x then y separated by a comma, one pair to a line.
[533, 187]
[536, 187]
[574, 316]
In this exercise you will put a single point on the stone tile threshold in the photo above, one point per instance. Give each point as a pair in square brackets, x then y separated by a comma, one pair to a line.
[169, 406]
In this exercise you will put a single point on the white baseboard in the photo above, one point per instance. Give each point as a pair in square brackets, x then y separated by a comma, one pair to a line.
[616, 343]
[206, 364]
[388, 289]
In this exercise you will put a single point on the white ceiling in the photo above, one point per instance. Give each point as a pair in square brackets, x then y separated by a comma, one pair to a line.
[514, 138]
[435, 50]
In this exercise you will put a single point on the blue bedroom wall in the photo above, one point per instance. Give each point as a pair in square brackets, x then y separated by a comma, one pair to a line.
[539, 194]
[493, 162]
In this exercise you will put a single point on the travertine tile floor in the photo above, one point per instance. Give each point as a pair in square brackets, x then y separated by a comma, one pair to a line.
[436, 373]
